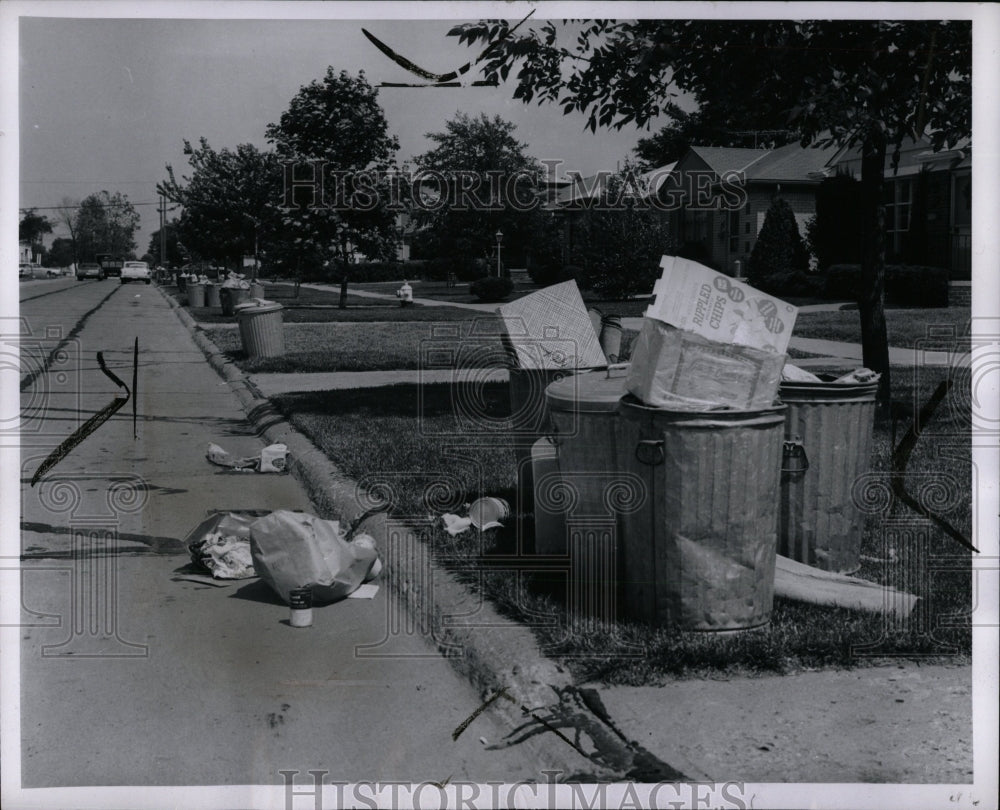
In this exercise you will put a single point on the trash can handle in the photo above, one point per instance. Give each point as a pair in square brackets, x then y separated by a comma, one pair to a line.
[650, 452]
[616, 367]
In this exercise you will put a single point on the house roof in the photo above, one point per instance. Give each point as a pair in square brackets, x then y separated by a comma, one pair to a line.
[792, 164]
[728, 159]
[590, 188]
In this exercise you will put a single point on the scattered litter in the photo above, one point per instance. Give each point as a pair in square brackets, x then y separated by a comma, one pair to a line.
[272, 458]
[295, 550]
[709, 340]
[792, 373]
[453, 524]
[803, 583]
[488, 513]
[221, 546]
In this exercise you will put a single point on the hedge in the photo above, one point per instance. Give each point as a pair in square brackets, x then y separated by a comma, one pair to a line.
[905, 284]
[491, 288]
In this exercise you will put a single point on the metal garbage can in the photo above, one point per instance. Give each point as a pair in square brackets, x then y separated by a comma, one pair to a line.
[196, 294]
[261, 329]
[820, 525]
[530, 421]
[256, 290]
[181, 282]
[701, 554]
[229, 297]
[212, 295]
[583, 413]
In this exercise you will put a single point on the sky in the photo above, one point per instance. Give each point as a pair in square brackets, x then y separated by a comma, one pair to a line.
[107, 103]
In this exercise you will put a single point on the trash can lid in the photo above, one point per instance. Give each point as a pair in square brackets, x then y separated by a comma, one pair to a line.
[257, 307]
[591, 391]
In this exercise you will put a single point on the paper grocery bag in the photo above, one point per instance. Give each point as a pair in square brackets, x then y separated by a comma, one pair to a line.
[297, 550]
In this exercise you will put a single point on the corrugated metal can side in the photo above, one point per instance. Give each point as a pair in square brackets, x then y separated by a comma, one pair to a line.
[701, 555]
[819, 522]
[196, 295]
[262, 332]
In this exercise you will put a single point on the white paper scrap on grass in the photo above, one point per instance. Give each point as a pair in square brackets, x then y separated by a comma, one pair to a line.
[697, 299]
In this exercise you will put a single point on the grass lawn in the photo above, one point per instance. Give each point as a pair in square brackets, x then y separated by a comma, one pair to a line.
[423, 443]
[374, 346]
[905, 326]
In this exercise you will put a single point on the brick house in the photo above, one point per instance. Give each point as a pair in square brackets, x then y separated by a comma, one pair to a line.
[939, 184]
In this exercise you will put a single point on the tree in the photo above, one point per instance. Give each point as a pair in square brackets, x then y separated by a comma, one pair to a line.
[835, 231]
[105, 223]
[336, 126]
[866, 85]
[779, 260]
[172, 254]
[231, 202]
[32, 228]
[489, 183]
[67, 217]
[694, 128]
[60, 253]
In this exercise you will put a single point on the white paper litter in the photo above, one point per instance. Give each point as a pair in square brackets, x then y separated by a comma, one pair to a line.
[453, 524]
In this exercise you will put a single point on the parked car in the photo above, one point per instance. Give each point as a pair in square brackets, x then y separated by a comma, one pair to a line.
[25, 271]
[89, 270]
[136, 271]
[52, 272]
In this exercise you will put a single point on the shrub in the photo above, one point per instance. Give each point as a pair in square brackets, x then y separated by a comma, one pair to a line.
[779, 258]
[545, 277]
[905, 285]
[491, 288]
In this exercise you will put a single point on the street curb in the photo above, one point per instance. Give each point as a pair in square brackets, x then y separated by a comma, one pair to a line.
[497, 656]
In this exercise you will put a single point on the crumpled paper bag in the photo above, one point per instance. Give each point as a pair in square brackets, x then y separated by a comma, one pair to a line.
[297, 550]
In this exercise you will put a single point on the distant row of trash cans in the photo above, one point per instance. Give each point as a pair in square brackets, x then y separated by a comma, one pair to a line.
[695, 505]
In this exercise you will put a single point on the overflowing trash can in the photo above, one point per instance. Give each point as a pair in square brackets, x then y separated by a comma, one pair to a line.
[830, 426]
[261, 328]
[701, 554]
[230, 296]
[256, 289]
[196, 294]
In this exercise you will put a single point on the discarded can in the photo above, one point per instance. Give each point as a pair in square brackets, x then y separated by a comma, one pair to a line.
[300, 601]
[488, 513]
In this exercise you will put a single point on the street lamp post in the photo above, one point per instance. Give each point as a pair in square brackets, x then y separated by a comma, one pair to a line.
[499, 244]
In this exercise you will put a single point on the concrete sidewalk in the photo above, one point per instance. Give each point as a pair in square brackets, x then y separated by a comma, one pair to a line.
[869, 725]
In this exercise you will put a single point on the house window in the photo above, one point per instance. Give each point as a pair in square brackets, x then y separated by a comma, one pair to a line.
[898, 199]
[734, 231]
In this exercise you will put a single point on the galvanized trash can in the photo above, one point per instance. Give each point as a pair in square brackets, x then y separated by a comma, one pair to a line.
[196, 294]
[261, 329]
[256, 290]
[701, 555]
[212, 295]
[583, 412]
[819, 522]
[530, 422]
[230, 297]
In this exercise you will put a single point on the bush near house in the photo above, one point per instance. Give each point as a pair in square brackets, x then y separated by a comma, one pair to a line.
[779, 260]
[491, 288]
[905, 284]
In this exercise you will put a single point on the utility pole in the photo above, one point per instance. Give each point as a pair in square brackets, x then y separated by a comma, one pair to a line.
[163, 230]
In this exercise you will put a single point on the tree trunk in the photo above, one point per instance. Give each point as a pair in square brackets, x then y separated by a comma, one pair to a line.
[342, 304]
[871, 301]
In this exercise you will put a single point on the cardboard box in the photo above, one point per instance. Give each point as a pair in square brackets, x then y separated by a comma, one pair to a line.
[673, 368]
[699, 300]
[551, 329]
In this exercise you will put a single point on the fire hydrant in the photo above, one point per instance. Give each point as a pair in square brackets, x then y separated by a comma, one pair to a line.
[405, 294]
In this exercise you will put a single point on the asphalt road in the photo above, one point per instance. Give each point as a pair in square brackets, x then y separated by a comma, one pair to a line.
[131, 678]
